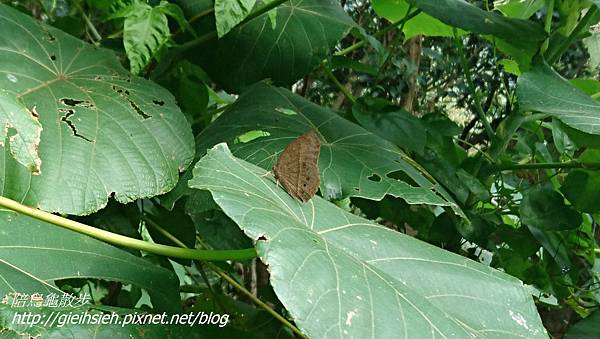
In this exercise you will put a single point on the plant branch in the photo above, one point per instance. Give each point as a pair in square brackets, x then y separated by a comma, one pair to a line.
[557, 50]
[234, 283]
[471, 87]
[120, 240]
[548, 23]
[337, 83]
[382, 31]
[89, 23]
[548, 165]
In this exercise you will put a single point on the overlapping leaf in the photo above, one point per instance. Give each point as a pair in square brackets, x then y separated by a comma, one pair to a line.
[342, 276]
[25, 129]
[461, 14]
[104, 132]
[542, 89]
[353, 161]
[34, 254]
[305, 32]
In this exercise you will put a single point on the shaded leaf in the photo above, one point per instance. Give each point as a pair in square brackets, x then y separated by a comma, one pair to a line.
[348, 164]
[342, 276]
[585, 328]
[461, 14]
[544, 208]
[34, 254]
[229, 13]
[390, 122]
[582, 187]
[542, 89]
[305, 33]
[104, 131]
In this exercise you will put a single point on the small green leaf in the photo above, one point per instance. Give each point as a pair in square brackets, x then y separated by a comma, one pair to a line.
[582, 189]
[542, 89]
[340, 275]
[544, 208]
[145, 32]
[229, 13]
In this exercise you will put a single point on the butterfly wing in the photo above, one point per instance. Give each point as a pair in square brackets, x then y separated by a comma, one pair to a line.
[297, 168]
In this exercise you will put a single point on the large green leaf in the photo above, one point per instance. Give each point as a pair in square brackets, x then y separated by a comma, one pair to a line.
[353, 161]
[104, 131]
[340, 275]
[461, 14]
[542, 89]
[305, 32]
[34, 254]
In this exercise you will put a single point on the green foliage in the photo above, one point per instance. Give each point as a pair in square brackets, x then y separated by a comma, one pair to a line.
[104, 131]
[146, 30]
[459, 166]
[321, 271]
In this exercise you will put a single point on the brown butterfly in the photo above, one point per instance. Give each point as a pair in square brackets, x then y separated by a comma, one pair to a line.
[297, 168]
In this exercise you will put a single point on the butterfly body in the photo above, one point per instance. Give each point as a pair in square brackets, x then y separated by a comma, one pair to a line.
[297, 167]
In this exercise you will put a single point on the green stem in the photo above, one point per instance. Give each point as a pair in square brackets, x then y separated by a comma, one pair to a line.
[120, 240]
[395, 42]
[254, 299]
[548, 22]
[471, 87]
[339, 85]
[89, 23]
[384, 30]
[234, 283]
[556, 51]
[548, 165]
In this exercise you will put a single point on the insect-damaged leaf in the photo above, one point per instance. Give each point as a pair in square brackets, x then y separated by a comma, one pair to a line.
[104, 131]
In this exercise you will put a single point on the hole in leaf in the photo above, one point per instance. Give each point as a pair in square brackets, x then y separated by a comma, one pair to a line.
[402, 176]
[53, 57]
[137, 109]
[262, 238]
[250, 135]
[51, 37]
[66, 119]
[158, 102]
[356, 189]
[74, 102]
[375, 177]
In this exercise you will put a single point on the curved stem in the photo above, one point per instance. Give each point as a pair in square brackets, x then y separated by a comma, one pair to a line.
[233, 283]
[120, 240]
